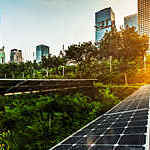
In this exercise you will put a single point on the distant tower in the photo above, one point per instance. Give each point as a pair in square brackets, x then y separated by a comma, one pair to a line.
[144, 18]
[16, 56]
[131, 21]
[41, 50]
[2, 55]
[104, 21]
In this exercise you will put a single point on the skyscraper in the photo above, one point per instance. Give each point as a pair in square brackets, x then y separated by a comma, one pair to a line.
[131, 21]
[16, 56]
[104, 21]
[144, 17]
[41, 50]
[2, 55]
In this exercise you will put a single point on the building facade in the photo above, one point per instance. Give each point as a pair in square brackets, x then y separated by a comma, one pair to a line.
[144, 17]
[131, 21]
[41, 50]
[16, 56]
[104, 21]
[2, 55]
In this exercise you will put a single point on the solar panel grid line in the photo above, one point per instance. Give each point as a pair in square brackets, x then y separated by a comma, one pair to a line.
[100, 136]
[123, 101]
[104, 144]
[110, 126]
[126, 111]
[17, 85]
[122, 106]
[48, 90]
[148, 130]
[76, 132]
[117, 144]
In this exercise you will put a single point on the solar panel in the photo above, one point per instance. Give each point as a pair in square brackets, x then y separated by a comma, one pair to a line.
[41, 85]
[124, 127]
[6, 84]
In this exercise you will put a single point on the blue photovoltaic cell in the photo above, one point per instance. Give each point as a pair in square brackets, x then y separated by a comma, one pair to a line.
[124, 127]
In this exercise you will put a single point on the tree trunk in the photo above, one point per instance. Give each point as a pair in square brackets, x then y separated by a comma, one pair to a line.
[63, 71]
[125, 78]
[110, 63]
[13, 76]
[33, 74]
[23, 75]
[47, 72]
[50, 121]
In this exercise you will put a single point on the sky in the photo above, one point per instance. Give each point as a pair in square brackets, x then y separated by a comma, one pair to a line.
[24, 24]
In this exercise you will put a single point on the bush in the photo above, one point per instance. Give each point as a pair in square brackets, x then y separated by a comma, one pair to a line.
[40, 122]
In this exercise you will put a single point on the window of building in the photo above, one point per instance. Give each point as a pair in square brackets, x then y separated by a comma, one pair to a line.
[107, 21]
[102, 23]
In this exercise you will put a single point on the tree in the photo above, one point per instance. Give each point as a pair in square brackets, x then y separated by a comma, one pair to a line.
[109, 46]
[125, 46]
[132, 46]
[74, 53]
[82, 55]
[29, 70]
[53, 62]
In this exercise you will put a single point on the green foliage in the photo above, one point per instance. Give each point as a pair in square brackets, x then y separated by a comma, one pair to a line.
[39, 122]
[108, 99]
[125, 47]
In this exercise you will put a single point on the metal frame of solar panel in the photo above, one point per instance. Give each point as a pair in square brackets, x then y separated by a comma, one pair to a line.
[124, 127]
[41, 85]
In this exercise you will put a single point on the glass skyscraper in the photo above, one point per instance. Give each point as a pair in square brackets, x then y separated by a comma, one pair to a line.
[16, 56]
[131, 21]
[41, 50]
[144, 17]
[104, 21]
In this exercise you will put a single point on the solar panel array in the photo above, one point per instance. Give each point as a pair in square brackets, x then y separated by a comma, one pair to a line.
[124, 127]
[41, 85]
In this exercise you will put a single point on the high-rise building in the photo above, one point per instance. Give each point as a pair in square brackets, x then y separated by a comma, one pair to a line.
[2, 55]
[144, 17]
[16, 56]
[41, 50]
[104, 21]
[131, 21]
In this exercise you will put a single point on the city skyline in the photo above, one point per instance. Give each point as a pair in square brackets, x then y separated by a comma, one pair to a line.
[26, 24]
